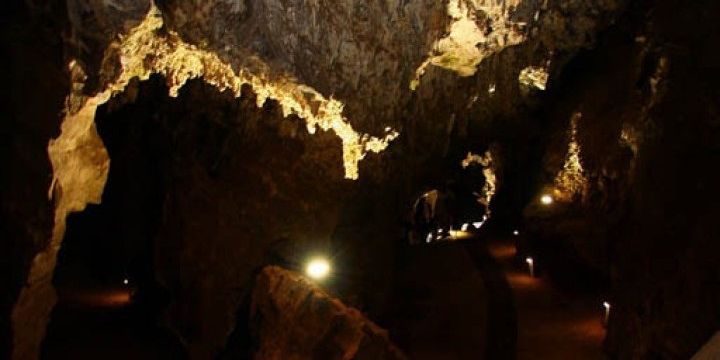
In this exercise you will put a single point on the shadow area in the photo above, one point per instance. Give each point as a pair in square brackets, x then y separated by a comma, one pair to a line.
[501, 311]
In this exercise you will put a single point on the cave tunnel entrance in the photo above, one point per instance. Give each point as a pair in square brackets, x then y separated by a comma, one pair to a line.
[108, 298]
[203, 190]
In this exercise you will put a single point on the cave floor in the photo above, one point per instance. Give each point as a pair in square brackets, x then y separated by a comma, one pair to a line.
[101, 323]
[551, 323]
[469, 299]
[439, 310]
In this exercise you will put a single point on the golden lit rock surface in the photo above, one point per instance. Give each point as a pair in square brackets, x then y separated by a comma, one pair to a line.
[338, 65]
[146, 51]
[534, 76]
[292, 318]
[489, 169]
[570, 180]
[479, 29]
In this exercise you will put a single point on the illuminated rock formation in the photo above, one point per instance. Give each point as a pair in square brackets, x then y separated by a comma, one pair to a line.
[291, 317]
[489, 169]
[570, 180]
[340, 66]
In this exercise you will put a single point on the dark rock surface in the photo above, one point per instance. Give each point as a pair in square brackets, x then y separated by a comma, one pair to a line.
[292, 318]
[245, 186]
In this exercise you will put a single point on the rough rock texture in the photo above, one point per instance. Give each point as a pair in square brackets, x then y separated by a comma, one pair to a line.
[292, 318]
[344, 66]
[647, 137]
[31, 103]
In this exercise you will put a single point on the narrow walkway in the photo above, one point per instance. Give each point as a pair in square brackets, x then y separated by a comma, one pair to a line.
[440, 307]
[551, 324]
[102, 323]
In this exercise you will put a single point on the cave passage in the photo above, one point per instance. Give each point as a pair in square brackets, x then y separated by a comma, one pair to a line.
[109, 301]
[370, 180]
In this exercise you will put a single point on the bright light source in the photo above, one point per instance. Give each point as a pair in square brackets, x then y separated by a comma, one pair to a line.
[546, 199]
[464, 227]
[428, 239]
[125, 281]
[516, 233]
[439, 231]
[478, 224]
[318, 268]
[484, 217]
[606, 305]
[531, 266]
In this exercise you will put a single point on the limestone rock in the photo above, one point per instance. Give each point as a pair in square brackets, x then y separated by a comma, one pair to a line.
[293, 318]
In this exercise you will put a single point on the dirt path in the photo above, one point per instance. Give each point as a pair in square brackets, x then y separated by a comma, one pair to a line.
[439, 311]
[551, 324]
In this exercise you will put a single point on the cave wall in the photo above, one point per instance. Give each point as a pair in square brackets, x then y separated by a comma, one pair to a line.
[312, 53]
[35, 84]
[648, 137]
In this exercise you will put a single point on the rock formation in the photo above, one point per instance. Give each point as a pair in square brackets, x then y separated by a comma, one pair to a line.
[292, 318]
[234, 91]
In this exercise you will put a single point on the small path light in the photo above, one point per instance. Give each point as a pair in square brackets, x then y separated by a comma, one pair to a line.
[429, 237]
[606, 305]
[126, 281]
[516, 233]
[531, 265]
[464, 227]
[318, 268]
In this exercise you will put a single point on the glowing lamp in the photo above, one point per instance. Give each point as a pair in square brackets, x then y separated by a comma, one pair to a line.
[318, 268]
[464, 227]
[478, 224]
[516, 233]
[531, 265]
[125, 281]
[606, 305]
[546, 199]
[429, 237]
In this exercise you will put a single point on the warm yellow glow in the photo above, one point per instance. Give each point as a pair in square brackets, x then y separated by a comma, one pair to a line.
[145, 51]
[546, 199]
[459, 234]
[534, 76]
[488, 166]
[318, 268]
[571, 180]
[467, 42]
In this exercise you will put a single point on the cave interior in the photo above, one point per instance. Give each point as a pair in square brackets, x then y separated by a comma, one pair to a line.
[339, 179]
